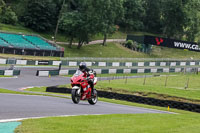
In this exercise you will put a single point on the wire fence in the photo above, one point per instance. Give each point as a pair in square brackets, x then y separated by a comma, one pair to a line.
[181, 80]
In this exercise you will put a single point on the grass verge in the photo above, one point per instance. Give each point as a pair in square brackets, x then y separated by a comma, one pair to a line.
[41, 92]
[97, 50]
[11, 92]
[28, 57]
[126, 123]
[3, 76]
[155, 87]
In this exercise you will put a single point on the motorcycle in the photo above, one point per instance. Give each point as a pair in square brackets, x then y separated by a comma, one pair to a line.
[81, 89]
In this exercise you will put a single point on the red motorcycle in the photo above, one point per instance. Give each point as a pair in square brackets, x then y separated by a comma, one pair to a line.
[81, 89]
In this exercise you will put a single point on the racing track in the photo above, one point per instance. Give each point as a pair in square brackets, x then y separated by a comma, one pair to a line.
[27, 78]
[25, 106]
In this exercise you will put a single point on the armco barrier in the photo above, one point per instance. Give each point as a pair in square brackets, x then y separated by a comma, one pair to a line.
[10, 72]
[170, 63]
[137, 99]
[117, 71]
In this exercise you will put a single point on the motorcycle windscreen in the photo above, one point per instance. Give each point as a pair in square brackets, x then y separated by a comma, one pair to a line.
[78, 73]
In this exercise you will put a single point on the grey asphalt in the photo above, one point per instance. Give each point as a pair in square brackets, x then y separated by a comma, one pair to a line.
[28, 78]
[26, 106]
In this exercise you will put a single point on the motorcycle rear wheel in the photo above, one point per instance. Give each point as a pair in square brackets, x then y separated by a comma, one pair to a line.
[75, 96]
[94, 99]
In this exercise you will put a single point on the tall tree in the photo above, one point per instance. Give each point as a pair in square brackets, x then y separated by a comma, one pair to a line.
[193, 20]
[152, 20]
[40, 15]
[75, 22]
[134, 13]
[7, 16]
[174, 18]
[104, 14]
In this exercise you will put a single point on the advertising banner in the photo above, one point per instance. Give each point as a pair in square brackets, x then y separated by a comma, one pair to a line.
[43, 62]
[171, 43]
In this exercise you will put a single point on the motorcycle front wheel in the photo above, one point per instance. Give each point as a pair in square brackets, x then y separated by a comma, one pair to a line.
[75, 96]
[94, 98]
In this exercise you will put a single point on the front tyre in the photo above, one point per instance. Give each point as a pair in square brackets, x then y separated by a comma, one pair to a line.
[75, 96]
[94, 98]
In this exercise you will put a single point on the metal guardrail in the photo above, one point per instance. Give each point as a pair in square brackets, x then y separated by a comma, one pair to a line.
[124, 59]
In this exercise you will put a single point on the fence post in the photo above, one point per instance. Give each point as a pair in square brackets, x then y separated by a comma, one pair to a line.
[166, 80]
[184, 70]
[187, 83]
[144, 80]
[126, 80]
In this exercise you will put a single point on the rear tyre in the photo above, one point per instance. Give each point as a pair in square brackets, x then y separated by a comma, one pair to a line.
[94, 98]
[75, 96]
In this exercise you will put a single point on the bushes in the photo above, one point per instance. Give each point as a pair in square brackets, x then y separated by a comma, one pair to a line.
[129, 44]
[7, 15]
[133, 45]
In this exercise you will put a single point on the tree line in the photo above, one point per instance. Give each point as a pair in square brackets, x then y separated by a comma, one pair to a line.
[80, 20]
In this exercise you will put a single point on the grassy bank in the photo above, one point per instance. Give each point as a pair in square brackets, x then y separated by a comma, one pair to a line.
[117, 50]
[97, 50]
[127, 123]
[10, 91]
[2, 76]
[27, 57]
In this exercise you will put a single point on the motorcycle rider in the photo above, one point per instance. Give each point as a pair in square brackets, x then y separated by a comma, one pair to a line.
[89, 74]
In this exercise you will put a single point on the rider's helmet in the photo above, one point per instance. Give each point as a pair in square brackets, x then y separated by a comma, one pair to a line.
[82, 66]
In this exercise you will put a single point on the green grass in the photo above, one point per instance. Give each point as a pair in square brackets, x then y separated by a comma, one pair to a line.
[16, 29]
[27, 57]
[118, 51]
[164, 52]
[97, 50]
[3, 76]
[156, 85]
[125, 123]
[36, 89]
[11, 92]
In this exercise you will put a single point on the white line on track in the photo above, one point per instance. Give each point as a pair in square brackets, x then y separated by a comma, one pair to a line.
[20, 119]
